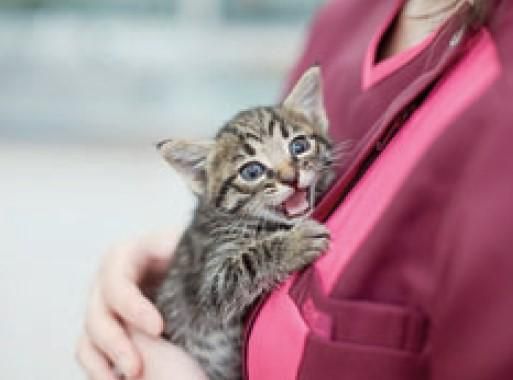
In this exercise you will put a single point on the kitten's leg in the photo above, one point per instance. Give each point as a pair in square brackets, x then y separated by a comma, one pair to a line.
[239, 275]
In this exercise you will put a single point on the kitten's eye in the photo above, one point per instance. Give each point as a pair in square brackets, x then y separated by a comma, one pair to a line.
[299, 145]
[252, 171]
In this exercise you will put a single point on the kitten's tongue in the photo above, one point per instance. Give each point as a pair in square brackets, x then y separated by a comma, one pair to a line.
[297, 204]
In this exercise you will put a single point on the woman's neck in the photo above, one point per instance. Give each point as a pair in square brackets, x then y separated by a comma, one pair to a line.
[417, 19]
[422, 9]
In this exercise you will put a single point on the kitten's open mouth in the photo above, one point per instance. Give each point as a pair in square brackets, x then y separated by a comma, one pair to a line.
[298, 204]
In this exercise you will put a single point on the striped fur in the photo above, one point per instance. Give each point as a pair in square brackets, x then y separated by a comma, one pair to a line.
[241, 242]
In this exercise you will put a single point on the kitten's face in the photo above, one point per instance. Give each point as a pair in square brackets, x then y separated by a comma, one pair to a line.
[266, 161]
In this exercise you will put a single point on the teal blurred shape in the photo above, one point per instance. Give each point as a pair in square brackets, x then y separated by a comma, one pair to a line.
[268, 10]
[90, 5]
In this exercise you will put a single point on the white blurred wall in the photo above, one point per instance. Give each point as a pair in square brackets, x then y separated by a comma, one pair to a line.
[61, 207]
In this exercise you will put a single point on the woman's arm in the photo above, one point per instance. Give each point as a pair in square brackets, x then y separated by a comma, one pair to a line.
[117, 301]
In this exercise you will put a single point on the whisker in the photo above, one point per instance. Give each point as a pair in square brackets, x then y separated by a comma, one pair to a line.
[312, 196]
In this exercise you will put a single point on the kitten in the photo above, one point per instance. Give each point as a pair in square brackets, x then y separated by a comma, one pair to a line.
[255, 184]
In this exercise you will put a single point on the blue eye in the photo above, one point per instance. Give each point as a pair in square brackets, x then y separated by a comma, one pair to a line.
[252, 171]
[299, 145]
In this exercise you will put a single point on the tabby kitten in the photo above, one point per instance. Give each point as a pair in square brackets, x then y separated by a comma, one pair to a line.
[255, 184]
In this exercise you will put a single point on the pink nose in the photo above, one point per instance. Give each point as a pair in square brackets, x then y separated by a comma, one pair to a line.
[287, 174]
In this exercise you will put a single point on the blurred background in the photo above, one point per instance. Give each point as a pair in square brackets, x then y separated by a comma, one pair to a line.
[86, 87]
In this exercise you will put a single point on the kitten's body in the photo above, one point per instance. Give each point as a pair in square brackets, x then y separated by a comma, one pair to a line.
[208, 322]
[250, 229]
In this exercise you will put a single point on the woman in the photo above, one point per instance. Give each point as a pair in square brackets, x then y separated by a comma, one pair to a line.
[418, 282]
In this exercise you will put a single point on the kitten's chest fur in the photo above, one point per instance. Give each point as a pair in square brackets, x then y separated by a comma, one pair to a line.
[207, 250]
[190, 320]
[191, 298]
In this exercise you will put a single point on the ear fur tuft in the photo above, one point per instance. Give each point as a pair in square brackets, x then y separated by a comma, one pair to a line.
[306, 97]
[159, 144]
[189, 158]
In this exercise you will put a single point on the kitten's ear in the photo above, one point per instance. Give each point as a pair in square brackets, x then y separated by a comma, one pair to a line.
[306, 97]
[189, 158]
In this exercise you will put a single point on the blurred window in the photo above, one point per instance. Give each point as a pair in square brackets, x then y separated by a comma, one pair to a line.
[268, 9]
[229, 10]
[90, 5]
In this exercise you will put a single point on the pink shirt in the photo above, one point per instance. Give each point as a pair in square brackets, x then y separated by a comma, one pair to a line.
[276, 343]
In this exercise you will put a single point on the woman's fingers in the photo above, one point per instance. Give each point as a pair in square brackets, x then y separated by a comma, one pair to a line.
[119, 283]
[95, 364]
[116, 302]
[127, 301]
[109, 337]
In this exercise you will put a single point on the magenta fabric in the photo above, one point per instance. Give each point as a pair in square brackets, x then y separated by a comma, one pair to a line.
[353, 220]
[353, 314]
[280, 326]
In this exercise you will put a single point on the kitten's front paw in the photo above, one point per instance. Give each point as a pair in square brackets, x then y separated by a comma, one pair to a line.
[312, 239]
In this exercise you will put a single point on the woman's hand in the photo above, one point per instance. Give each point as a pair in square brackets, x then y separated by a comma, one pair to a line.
[165, 361]
[117, 301]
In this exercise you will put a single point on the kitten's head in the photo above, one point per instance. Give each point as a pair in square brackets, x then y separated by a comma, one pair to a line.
[266, 161]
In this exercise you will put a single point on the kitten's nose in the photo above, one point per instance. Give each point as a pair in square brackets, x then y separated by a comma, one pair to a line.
[287, 174]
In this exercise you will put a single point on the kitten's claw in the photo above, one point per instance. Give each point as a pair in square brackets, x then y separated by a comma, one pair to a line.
[312, 239]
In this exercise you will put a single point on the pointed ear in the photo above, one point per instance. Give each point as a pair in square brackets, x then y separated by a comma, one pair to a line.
[189, 158]
[306, 97]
